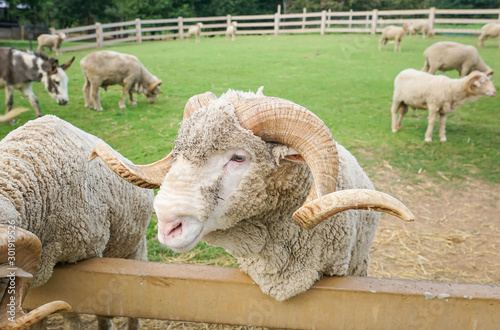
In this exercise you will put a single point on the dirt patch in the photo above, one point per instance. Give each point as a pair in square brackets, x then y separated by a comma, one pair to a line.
[456, 236]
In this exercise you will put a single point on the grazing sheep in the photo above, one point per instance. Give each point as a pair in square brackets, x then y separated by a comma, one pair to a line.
[106, 68]
[448, 55]
[231, 31]
[53, 41]
[241, 166]
[19, 69]
[195, 30]
[490, 30]
[421, 26]
[77, 209]
[441, 95]
[395, 33]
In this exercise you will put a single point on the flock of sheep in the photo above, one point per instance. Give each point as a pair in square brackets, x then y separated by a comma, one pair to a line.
[260, 176]
[440, 95]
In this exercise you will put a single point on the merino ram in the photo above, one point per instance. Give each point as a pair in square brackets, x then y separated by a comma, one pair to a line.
[53, 41]
[195, 30]
[241, 166]
[77, 209]
[449, 55]
[441, 95]
[490, 30]
[231, 31]
[395, 33]
[106, 68]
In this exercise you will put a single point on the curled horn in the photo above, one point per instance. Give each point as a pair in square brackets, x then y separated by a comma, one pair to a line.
[155, 85]
[282, 121]
[470, 79]
[12, 113]
[146, 176]
[28, 253]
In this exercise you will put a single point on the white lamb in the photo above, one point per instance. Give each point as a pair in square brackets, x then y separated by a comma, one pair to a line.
[395, 33]
[490, 30]
[231, 30]
[241, 166]
[195, 30]
[449, 55]
[53, 41]
[77, 209]
[441, 95]
[421, 26]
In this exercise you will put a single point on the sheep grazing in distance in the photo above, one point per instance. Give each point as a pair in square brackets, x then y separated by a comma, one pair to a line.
[490, 30]
[195, 30]
[421, 26]
[77, 209]
[53, 41]
[241, 166]
[231, 31]
[441, 95]
[449, 55]
[395, 33]
[106, 68]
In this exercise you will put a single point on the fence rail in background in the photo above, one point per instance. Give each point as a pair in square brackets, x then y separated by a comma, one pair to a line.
[118, 287]
[443, 21]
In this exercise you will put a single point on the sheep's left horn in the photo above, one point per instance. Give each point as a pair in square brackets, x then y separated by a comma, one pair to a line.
[28, 249]
[314, 212]
[279, 120]
[155, 85]
[145, 176]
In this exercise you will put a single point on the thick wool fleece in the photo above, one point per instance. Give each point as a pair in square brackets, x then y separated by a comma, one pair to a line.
[258, 229]
[78, 209]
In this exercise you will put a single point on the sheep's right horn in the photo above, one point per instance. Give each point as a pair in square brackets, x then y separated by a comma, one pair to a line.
[145, 176]
[314, 212]
[11, 114]
[28, 250]
[471, 78]
[196, 102]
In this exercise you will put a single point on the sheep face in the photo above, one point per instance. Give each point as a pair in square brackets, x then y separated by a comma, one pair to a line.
[212, 183]
[481, 84]
[152, 92]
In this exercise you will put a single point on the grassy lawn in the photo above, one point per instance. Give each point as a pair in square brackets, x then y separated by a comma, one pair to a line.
[343, 78]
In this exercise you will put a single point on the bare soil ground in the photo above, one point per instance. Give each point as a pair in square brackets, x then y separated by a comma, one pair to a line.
[456, 237]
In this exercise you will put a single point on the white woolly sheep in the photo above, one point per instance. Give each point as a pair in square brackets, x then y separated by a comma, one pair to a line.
[195, 30]
[421, 26]
[449, 55]
[441, 95]
[106, 68]
[77, 209]
[242, 164]
[231, 30]
[53, 41]
[395, 33]
[490, 30]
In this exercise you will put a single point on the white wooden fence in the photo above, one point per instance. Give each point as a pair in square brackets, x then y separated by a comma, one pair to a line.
[443, 21]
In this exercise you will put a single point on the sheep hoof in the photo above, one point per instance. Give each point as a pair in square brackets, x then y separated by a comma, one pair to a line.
[122, 106]
[394, 130]
[428, 139]
[133, 103]
[443, 140]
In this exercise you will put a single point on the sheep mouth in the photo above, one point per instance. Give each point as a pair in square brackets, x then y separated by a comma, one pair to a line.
[175, 231]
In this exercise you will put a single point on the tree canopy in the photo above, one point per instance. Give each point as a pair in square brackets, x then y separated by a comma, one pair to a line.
[68, 13]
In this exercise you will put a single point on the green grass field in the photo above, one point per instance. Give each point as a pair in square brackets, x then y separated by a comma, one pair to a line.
[343, 78]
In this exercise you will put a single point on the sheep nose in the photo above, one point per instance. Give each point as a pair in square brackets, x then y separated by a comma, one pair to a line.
[63, 102]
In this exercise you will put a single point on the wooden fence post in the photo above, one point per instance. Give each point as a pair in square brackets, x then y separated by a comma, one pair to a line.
[277, 23]
[180, 25]
[138, 30]
[350, 18]
[304, 11]
[329, 17]
[432, 15]
[99, 35]
[323, 22]
[374, 21]
[228, 19]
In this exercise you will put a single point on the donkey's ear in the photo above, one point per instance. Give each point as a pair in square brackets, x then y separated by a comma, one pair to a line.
[55, 65]
[67, 64]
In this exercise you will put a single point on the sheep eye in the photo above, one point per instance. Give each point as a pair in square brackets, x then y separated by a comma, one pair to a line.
[238, 158]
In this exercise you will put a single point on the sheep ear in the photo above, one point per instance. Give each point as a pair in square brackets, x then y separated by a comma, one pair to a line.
[55, 65]
[293, 155]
